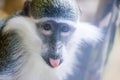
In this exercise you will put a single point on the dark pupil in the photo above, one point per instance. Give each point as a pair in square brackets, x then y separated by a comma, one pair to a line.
[65, 29]
[46, 27]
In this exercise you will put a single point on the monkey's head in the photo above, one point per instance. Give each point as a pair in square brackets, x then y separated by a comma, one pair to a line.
[54, 20]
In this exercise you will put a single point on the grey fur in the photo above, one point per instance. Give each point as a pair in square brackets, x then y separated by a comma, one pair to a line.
[65, 9]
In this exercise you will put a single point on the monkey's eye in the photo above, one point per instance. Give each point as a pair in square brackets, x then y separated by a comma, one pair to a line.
[65, 28]
[46, 26]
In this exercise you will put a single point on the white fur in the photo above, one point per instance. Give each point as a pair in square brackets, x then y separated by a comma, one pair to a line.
[35, 67]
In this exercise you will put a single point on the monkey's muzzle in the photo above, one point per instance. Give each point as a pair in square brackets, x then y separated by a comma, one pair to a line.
[54, 56]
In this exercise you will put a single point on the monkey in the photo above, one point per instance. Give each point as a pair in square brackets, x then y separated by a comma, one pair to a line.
[41, 42]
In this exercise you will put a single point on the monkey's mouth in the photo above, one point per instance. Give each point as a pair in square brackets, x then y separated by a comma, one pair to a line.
[53, 62]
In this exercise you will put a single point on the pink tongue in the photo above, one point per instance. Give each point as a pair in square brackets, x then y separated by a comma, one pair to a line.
[54, 62]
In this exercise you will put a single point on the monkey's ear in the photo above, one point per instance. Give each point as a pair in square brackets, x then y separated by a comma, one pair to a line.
[26, 11]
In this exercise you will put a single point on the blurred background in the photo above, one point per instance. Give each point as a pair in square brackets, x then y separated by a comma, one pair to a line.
[100, 61]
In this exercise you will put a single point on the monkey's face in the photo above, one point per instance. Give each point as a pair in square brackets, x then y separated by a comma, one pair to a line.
[55, 36]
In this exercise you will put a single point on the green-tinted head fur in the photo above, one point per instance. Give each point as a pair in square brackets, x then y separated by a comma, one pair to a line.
[55, 8]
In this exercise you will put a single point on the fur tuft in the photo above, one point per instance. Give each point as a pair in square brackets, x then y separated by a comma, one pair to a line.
[55, 8]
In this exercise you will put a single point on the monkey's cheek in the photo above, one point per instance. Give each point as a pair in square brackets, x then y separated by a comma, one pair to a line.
[54, 62]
